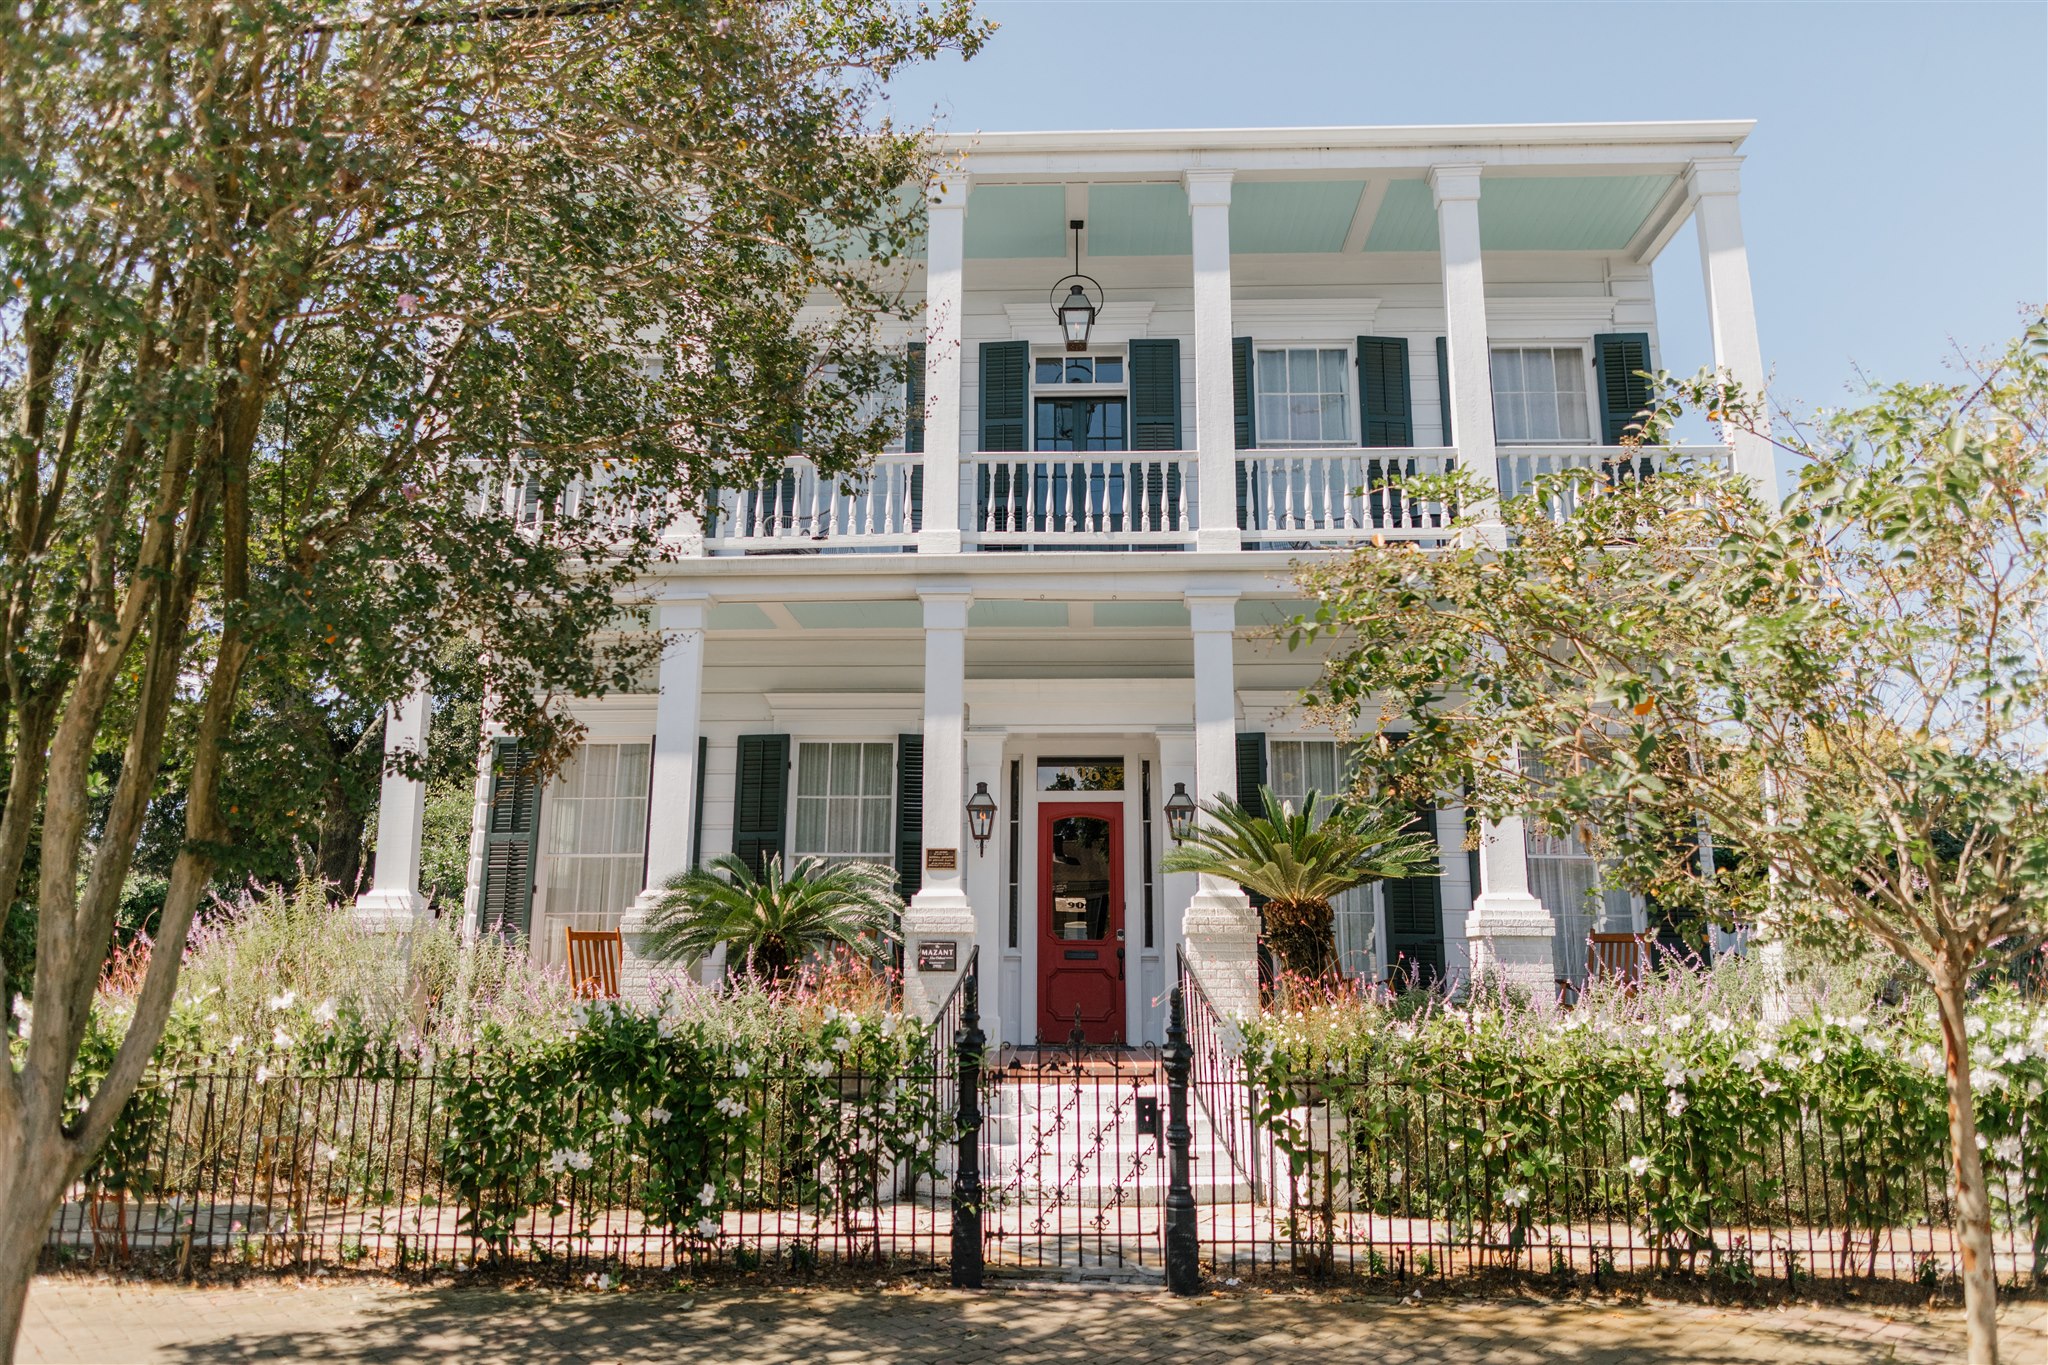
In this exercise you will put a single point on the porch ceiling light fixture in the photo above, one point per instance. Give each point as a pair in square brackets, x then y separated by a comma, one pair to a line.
[981, 816]
[1077, 311]
[1180, 813]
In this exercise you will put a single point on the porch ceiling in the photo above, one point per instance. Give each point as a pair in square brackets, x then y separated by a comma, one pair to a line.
[1313, 216]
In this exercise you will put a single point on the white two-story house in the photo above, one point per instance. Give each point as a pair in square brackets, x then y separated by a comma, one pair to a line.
[1054, 595]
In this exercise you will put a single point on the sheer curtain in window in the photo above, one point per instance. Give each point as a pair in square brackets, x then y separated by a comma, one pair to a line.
[1564, 875]
[845, 796]
[596, 843]
[1300, 766]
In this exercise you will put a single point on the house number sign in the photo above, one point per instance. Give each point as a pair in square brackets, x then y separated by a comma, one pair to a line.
[938, 955]
[942, 860]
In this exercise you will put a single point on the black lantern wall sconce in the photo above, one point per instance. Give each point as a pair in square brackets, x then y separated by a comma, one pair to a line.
[1180, 813]
[981, 817]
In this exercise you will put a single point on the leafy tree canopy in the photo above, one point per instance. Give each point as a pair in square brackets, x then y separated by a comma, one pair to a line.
[330, 332]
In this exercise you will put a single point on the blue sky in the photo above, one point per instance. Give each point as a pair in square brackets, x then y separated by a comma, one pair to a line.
[1895, 196]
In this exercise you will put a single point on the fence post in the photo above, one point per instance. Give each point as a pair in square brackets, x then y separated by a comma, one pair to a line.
[967, 1162]
[1183, 1250]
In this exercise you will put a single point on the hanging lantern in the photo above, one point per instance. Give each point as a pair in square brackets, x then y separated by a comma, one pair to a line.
[1180, 813]
[981, 816]
[1076, 311]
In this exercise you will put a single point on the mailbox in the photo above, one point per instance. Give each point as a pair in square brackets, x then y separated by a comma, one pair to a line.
[1148, 1115]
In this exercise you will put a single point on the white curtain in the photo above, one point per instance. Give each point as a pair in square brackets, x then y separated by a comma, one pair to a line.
[596, 843]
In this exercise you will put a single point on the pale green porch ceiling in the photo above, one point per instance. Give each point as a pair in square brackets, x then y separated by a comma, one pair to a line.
[1551, 213]
[1138, 220]
[1284, 217]
[1016, 222]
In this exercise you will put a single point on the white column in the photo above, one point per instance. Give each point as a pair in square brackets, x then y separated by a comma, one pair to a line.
[985, 873]
[394, 901]
[945, 266]
[1215, 415]
[1221, 930]
[1456, 190]
[940, 910]
[672, 790]
[1713, 185]
[1511, 936]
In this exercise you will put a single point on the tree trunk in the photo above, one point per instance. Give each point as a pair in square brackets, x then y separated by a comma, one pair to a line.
[1973, 1204]
[339, 859]
[1304, 934]
[32, 1185]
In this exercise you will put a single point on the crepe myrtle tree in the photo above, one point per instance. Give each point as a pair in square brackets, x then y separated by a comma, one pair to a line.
[313, 315]
[1849, 691]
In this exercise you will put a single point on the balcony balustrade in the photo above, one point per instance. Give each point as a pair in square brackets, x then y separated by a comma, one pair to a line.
[1293, 499]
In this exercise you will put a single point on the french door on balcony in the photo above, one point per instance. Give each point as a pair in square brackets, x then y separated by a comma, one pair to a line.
[1075, 492]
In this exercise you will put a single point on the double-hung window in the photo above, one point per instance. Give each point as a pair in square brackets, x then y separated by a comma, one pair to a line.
[596, 842]
[1304, 396]
[1301, 766]
[1539, 394]
[845, 796]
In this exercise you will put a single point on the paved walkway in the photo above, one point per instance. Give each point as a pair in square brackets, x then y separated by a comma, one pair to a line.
[76, 1320]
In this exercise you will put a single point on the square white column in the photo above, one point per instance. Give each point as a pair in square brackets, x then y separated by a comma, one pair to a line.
[944, 281]
[1511, 937]
[1220, 932]
[941, 910]
[1215, 414]
[1713, 185]
[672, 789]
[985, 872]
[393, 901]
[1456, 191]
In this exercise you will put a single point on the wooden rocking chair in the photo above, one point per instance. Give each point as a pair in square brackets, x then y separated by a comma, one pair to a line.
[594, 958]
[1624, 957]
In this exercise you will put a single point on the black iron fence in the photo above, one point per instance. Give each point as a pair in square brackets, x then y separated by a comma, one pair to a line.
[1153, 1162]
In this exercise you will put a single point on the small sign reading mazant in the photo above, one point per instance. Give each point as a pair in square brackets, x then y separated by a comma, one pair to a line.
[938, 955]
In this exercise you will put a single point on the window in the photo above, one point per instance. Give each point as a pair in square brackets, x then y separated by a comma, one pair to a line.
[1303, 396]
[845, 795]
[1298, 767]
[1080, 774]
[1564, 875]
[1072, 370]
[1539, 394]
[596, 843]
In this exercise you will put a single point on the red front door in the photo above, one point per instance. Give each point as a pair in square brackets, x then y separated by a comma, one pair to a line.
[1081, 920]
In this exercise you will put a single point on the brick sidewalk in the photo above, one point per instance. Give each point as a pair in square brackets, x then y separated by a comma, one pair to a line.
[80, 1321]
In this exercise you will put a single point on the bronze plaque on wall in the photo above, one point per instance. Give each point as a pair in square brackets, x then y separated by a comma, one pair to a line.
[942, 860]
[938, 955]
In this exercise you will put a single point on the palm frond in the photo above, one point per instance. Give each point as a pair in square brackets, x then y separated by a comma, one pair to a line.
[775, 918]
[1292, 857]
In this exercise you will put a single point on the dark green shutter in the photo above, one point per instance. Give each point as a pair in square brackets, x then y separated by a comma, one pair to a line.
[913, 430]
[1384, 409]
[1251, 769]
[697, 805]
[1624, 393]
[760, 805]
[909, 814]
[1443, 386]
[1005, 391]
[1155, 394]
[1415, 918]
[511, 839]
[1247, 429]
[1241, 392]
[913, 400]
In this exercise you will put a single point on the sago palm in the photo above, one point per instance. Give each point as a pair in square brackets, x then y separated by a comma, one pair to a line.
[775, 920]
[1299, 863]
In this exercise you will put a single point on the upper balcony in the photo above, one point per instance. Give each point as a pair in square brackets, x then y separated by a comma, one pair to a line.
[1284, 329]
[1284, 499]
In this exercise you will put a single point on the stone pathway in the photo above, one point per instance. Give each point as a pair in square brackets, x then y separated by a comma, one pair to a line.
[76, 1320]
